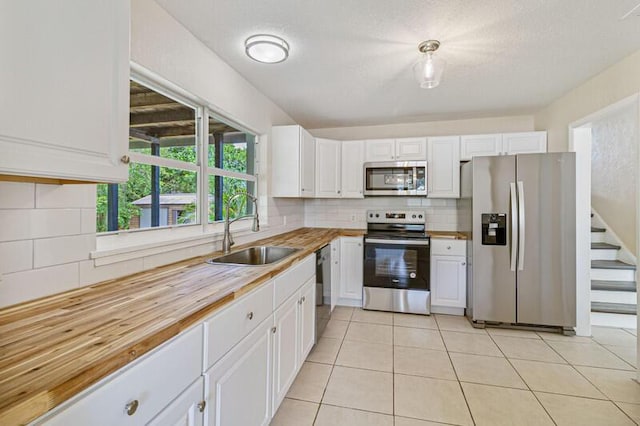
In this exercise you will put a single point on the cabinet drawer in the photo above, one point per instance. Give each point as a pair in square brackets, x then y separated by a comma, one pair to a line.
[151, 382]
[292, 279]
[228, 327]
[448, 247]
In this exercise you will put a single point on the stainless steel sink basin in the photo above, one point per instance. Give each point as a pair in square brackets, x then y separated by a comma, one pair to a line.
[255, 256]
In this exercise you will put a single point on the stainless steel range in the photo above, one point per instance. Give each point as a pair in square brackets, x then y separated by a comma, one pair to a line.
[396, 262]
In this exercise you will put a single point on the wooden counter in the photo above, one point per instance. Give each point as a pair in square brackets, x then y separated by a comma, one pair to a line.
[55, 347]
[453, 235]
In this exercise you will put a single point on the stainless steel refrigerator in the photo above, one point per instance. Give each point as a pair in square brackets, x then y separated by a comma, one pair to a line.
[521, 212]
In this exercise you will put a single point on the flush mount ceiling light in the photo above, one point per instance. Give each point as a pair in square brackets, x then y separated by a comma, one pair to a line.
[428, 70]
[268, 49]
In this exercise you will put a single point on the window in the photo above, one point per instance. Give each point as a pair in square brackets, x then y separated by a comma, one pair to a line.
[167, 159]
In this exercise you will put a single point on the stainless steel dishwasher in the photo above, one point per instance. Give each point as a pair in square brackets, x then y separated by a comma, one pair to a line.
[323, 289]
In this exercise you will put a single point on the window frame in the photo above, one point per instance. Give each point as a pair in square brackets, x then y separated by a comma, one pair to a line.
[127, 240]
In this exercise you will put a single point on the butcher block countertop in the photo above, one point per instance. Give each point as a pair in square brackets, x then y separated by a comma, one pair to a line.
[450, 235]
[55, 347]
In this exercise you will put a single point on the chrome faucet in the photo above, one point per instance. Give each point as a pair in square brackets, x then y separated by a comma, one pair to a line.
[227, 241]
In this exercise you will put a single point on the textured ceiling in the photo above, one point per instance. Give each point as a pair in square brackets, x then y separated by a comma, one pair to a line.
[350, 60]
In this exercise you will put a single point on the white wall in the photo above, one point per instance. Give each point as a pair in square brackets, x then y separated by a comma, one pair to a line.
[47, 232]
[614, 162]
[613, 84]
[517, 123]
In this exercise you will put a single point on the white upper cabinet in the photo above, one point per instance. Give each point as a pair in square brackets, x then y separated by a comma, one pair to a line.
[406, 149]
[443, 167]
[293, 164]
[380, 150]
[480, 146]
[524, 143]
[502, 144]
[328, 168]
[65, 89]
[352, 171]
[411, 149]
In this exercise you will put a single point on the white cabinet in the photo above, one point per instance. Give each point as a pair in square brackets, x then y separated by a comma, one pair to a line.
[524, 143]
[185, 410]
[406, 149]
[138, 394]
[335, 272]
[294, 336]
[352, 169]
[448, 274]
[238, 387]
[351, 262]
[328, 168]
[293, 162]
[411, 149]
[502, 144]
[480, 145]
[443, 167]
[65, 89]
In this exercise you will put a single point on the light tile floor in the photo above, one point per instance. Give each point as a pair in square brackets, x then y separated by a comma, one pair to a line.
[376, 368]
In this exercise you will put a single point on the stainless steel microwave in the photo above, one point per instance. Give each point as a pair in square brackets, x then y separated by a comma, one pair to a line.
[399, 178]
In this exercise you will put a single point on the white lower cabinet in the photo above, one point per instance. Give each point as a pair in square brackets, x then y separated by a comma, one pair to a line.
[294, 336]
[238, 387]
[351, 259]
[185, 410]
[448, 274]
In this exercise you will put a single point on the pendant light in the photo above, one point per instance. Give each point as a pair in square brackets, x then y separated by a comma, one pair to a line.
[428, 70]
[265, 48]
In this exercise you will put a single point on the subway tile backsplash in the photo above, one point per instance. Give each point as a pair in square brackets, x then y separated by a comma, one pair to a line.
[351, 213]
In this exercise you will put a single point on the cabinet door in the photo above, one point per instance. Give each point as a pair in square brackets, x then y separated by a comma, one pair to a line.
[524, 143]
[351, 259]
[411, 149]
[443, 167]
[448, 281]
[285, 348]
[65, 89]
[480, 146]
[307, 318]
[185, 410]
[380, 150]
[238, 387]
[285, 161]
[307, 164]
[352, 169]
[335, 272]
[328, 168]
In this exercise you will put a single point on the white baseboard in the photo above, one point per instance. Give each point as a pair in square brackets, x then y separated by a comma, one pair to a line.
[447, 310]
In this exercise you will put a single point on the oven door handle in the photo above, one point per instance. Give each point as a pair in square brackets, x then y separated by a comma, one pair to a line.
[397, 242]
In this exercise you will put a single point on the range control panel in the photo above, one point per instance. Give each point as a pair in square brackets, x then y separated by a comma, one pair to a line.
[396, 216]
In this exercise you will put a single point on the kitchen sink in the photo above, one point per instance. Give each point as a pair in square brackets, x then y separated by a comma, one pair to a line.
[255, 256]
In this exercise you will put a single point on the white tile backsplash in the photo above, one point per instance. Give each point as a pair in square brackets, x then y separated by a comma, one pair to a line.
[65, 196]
[88, 221]
[59, 250]
[46, 223]
[26, 285]
[16, 256]
[91, 274]
[15, 195]
[14, 224]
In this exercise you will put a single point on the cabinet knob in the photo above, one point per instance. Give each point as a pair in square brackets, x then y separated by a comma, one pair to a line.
[359, 244]
[131, 407]
[448, 247]
[250, 315]
[273, 330]
[201, 406]
[338, 191]
[125, 159]
[304, 298]
[464, 263]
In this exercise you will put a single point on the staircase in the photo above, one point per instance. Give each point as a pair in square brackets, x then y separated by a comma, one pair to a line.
[613, 286]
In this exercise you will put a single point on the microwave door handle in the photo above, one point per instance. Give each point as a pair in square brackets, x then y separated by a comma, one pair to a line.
[514, 226]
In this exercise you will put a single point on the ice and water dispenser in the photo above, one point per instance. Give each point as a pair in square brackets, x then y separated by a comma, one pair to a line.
[494, 229]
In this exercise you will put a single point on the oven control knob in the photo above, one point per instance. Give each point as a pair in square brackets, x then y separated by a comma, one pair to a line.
[377, 215]
[413, 217]
[420, 217]
[370, 214]
[412, 275]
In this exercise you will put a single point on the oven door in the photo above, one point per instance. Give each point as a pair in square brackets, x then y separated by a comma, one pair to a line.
[398, 264]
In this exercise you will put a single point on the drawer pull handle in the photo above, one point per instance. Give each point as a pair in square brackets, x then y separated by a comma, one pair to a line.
[303, 298]
[273, 330]
[250, 316]
[131, 407]
[201, 406]
[448, 247]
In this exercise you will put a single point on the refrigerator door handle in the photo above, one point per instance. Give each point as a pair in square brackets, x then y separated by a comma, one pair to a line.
[514, 226]
[521, 226]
